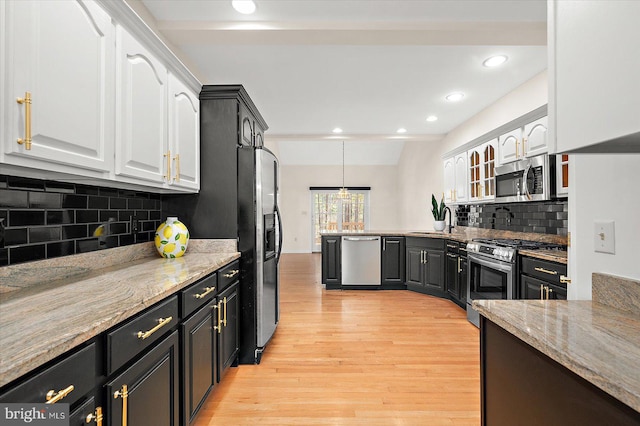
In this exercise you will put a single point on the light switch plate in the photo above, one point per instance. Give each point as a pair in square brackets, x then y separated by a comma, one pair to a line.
[604, 237]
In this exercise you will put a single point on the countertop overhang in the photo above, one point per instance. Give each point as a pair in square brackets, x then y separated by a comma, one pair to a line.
[41, 320]
[597, 342]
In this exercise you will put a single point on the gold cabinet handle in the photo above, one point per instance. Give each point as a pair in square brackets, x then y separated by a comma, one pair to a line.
[161, 323]
[565, 280]
[95, 417]
[207, 290]
[541, 291]
[124, 394]
[168, 157]
[27, 120]
[524, 140]
[232, 274]
[225, 312]
[53, 396]
[218, 327]
[177, 158]
[517, 151]
[459, 268]
[454, 195]
[546, 271]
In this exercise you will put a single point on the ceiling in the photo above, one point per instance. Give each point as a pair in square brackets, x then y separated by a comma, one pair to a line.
[368, 67]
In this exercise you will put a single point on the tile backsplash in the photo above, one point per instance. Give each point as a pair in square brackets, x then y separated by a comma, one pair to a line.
[42, 219]
[545, 217]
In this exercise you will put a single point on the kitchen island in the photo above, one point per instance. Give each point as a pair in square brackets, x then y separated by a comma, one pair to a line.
[563, 362]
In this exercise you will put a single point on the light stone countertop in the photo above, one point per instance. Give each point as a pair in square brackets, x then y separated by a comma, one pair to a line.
[50, 307]
[597, 342]
[559, 256]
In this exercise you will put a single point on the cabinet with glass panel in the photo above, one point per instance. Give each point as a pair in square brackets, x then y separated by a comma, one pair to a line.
[482, 163]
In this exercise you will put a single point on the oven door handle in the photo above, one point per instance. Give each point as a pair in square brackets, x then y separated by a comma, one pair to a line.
[489, 264]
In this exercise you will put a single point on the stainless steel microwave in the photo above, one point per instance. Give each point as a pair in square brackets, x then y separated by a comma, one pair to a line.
[530, 179]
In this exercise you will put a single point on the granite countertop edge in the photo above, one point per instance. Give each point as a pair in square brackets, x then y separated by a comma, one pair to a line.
[576, 355]
[64, 315]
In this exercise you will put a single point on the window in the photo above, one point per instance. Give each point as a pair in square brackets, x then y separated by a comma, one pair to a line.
[330, 213]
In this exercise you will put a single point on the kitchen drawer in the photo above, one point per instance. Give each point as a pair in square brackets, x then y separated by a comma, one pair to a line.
[544, 270]
[198, 294]
[136, 335]
[452, 246]
[229, 274]
[426, 243]
[77, 370]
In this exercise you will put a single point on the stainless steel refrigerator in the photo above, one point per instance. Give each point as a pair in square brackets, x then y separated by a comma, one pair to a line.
[238, 199]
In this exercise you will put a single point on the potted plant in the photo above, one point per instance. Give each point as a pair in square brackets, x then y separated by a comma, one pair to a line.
[438, 213]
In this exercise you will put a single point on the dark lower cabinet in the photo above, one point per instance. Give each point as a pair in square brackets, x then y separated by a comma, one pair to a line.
[425, 265]
[456, 272]
[228, 339]
[522, 386]
[393, 265]
[540, 279]
[147, 393]
[533, 288]
[199, 358]
[86, 413]
[331, 261]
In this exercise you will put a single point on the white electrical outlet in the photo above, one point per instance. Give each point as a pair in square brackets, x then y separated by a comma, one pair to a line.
[604, 237]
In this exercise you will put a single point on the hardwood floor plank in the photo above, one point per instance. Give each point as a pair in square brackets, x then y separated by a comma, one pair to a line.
[355, 357]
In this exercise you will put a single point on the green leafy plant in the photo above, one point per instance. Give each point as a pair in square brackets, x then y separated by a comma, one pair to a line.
[438, 211]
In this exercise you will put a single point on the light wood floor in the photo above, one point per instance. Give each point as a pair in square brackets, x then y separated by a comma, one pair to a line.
[355, 358]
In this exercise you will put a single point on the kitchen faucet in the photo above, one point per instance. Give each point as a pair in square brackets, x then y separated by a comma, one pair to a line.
[446, 209]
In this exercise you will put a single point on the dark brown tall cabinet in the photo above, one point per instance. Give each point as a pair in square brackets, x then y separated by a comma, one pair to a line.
[231, 134]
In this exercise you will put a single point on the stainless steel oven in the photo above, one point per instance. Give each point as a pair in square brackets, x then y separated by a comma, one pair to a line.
[491, 275]
[530, 179]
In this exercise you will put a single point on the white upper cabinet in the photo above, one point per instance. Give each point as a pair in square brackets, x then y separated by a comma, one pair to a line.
[184, 135]
[141, 109]
[461, 170]
[455, 179]
[96, 99]
[534, 139]
[509, 146]
[449, 180]
[527, 141]
[594, 69]
[62, 53]
[481, 166]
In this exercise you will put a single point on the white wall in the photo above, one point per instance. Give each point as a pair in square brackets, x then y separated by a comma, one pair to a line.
[603, 187]
[295, 201]
[420, 170]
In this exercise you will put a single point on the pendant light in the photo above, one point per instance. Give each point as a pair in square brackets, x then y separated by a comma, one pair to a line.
[343, 193]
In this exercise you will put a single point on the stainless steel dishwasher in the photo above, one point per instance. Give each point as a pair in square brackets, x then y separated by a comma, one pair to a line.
[361, 260]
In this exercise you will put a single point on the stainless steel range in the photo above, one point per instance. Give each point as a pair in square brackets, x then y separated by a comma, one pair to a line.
[493, 269]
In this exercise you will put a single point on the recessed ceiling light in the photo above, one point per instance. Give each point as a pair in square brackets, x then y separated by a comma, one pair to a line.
[454, 97]
[432, 118]
[494, 61]
[401, 130]
[337, 130]
[244, 6]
